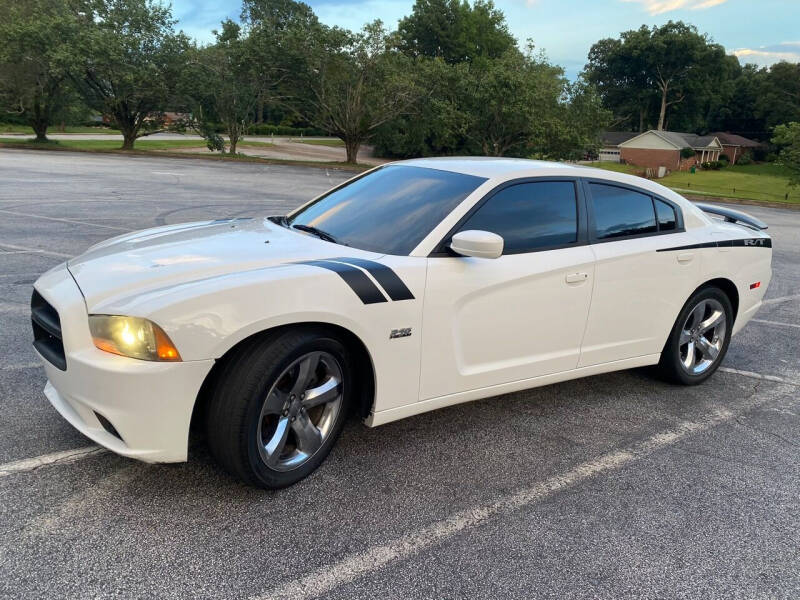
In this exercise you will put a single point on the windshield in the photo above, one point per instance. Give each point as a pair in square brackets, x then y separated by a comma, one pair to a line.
[389, 210]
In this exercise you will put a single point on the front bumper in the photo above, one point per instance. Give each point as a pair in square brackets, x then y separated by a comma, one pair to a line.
[147, 404]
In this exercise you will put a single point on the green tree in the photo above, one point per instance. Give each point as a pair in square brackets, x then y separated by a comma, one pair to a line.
[37, 49]
[356, 83]
[224, 83]
[132, 60]
[663, 66]
[779, 95]
[455, 31]
[787, 138]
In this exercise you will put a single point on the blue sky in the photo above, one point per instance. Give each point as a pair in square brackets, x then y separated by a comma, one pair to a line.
[758, 31]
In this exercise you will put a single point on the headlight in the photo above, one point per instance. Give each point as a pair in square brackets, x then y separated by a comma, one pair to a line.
[133, 337]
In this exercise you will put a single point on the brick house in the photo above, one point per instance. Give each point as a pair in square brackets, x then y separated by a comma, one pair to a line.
[653, 149]
[735, 146]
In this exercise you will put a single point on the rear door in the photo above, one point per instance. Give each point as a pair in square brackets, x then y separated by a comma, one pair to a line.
[493, 321]
[638, 289]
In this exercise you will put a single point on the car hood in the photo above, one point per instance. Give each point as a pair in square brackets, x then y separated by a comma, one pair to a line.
[165, 256]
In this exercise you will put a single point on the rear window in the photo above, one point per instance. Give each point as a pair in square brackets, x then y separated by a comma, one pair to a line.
[620, 212]
[389, 210]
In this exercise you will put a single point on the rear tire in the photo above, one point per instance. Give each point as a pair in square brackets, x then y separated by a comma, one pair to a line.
[278, 406]
[699, 339]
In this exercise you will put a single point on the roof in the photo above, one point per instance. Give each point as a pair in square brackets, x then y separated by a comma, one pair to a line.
[731, 139]
[615, 138]
[680, 139]
[483, 166]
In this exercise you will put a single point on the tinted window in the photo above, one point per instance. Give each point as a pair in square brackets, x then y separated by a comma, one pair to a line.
[530, 215]
[619, 212]
[389, 210]
[667, 220]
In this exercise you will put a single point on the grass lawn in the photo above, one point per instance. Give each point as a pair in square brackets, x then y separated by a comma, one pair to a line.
[329, 142]
[9, 128]
[173, 148]
[765, 182]
[143, 144]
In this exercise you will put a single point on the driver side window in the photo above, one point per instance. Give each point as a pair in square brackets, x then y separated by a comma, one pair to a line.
[530, 216]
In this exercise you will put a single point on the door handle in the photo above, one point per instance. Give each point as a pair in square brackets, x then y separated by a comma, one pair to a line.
[577, 277]
[685, 257]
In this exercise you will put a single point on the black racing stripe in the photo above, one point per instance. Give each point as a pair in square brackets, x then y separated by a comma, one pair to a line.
[689, 247]
[362, 285]
[388, 279]
[741, 243]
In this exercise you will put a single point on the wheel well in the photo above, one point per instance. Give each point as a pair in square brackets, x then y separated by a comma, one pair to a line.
[362, 362]
[728, 287]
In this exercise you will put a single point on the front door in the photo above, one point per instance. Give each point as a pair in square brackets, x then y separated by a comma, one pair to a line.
[493, 321]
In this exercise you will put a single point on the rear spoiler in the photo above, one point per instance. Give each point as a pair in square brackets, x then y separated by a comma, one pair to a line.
[732, 216]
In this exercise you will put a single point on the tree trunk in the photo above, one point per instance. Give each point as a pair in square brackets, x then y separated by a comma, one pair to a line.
[128, 139]
[352, 146]
[40, 129]
[233, 137]
[642, 115]
[662, 115]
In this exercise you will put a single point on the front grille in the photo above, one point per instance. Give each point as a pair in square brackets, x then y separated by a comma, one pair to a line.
[47, 331]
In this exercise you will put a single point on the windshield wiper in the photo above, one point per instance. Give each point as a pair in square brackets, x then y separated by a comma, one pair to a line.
[323, 235]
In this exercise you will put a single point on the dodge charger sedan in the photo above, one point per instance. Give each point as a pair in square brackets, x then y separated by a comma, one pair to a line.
[414, 286]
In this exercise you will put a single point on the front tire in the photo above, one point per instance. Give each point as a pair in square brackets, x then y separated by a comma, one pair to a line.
[278, 406]
[699, 339]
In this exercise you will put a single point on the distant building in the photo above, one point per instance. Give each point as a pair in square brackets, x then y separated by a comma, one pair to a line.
[653, 149]
[610, 141]
[735, 146]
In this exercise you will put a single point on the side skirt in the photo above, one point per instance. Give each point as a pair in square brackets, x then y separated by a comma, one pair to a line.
[401, 412]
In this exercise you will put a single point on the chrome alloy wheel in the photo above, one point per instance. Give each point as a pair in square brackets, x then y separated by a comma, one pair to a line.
[299, 411]
[702, 336]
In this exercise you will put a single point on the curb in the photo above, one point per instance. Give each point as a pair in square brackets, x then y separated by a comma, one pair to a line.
[159, 154]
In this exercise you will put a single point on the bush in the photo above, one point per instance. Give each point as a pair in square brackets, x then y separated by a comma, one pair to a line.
[687, 153]
[744, 159]
[723, 158]
[713, 165]
[265, 129]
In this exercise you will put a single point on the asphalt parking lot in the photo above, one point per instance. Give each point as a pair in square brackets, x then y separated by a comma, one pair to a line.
[612, 486]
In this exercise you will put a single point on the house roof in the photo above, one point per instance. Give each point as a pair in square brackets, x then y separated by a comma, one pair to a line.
[731, 139]
[615, 138]
[680, 139]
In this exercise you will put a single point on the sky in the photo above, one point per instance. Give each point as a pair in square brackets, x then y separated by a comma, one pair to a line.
[757, 31]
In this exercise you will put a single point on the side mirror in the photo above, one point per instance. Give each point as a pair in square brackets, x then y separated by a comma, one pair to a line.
[481, 244]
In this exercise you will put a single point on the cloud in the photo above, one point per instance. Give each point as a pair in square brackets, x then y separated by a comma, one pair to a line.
[656, 7]
[768, 56]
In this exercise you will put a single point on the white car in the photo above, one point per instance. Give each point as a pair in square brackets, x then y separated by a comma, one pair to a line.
[417, 285]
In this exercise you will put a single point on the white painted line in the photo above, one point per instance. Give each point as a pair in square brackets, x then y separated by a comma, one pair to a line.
[60, 220]
[781, 299]
[21, 366]
[318, 583]
[777, 323]
[10, 307]
[753, 375]
[36, 250]
[61, 458]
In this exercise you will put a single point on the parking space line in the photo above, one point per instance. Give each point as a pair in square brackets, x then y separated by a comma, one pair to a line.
[776, 323]
[62, 220]
[322, 581]
[11, 307]
[36, 250]
[753, 375]
[21, 366]
[781, 299]
[61, 458]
